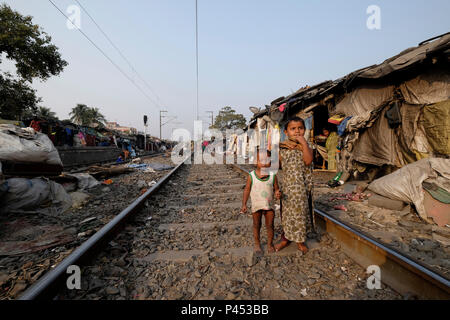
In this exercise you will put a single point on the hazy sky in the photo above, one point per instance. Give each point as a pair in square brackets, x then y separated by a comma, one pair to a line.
[250, 51]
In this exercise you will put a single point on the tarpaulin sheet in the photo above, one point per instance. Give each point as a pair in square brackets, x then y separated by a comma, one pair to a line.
[411, 134]
[436, 122]
[364, 99]
[364, 120]
[406, 184]
[377, 144]
[35, 195]
[428, 88]
[405, 59]
[410, 118]
[26, 145]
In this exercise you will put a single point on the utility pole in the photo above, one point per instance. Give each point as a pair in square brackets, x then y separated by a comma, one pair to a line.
[212, 117]
[161, 124]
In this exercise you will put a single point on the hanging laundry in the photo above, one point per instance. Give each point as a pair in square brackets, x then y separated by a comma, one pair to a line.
[244, 145]
[276, 135]
[82, 138]
[343, 126]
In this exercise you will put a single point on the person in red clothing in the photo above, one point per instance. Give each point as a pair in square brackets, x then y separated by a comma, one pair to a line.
[35, 124]
[204, 145]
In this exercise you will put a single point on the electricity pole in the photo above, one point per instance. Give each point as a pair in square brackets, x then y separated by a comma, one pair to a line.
[161, 124]
[212, 117]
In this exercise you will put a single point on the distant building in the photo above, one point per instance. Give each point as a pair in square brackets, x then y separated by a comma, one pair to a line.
[112, 125]
[117, 127]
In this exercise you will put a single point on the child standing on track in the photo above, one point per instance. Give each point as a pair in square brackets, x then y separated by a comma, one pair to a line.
[260, 187]
[296, 158]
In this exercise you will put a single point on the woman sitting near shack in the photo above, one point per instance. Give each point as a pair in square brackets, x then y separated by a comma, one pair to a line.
[329, 151]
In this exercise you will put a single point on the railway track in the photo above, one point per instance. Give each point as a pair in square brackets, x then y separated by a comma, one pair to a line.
[185, 239]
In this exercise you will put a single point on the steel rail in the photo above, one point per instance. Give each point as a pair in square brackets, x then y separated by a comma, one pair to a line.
[401, 272]
[47, 287]
[404, 274]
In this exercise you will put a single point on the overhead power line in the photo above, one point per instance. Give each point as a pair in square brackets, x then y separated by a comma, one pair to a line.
[106, 56]
[122, 55]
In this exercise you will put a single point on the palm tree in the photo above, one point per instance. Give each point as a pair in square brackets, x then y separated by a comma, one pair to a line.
[96, 118]
[86, 116]
[46, 113]
[80, 115]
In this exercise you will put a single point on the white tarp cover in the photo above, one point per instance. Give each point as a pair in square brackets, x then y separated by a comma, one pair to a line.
[36, 195]
[405, 184]
[364, 99]
[428, 88]
[25, 145]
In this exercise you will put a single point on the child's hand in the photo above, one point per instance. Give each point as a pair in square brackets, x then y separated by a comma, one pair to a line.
[278, 194]
[301, 139]
[244, 209]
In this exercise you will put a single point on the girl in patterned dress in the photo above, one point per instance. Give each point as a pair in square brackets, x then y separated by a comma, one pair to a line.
[296, 162]
[260, 187]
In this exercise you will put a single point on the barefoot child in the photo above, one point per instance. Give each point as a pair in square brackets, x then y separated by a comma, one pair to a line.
[296, 159]
[260, 187]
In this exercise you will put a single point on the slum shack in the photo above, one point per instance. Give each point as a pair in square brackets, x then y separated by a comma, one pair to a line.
[80, 145]
[381, 118]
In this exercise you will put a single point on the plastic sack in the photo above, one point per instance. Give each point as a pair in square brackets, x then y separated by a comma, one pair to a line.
[40, 195]
[26, 145]
[405, 184]
[84, 180]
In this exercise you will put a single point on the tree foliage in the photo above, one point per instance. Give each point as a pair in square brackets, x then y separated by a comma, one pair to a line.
[46, 113]
[17, 99]
[229, 119]
[34, 56]
[79, 114]
[96, 118]
[28, 46]
[86, 116]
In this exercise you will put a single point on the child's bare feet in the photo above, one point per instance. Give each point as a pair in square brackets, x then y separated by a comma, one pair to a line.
[302, 248]
[270, 248]
[281, 245]
[257, 248]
